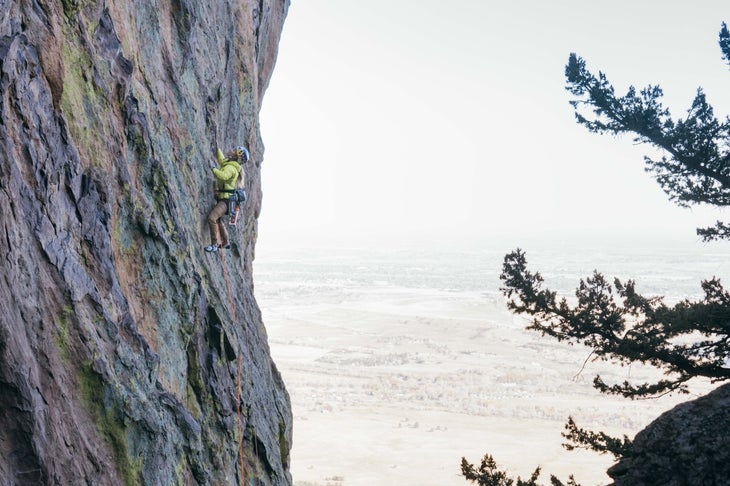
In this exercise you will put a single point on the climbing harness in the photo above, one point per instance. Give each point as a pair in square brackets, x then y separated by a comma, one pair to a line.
[235, 200]
[234, 205]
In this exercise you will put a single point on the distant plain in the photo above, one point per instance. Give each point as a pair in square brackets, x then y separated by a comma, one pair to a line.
[400, 363]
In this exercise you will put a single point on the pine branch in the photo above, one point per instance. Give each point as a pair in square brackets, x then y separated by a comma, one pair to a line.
[595, 441]
[619, 324]
[488, 474]
[720, 231]
[697, 169]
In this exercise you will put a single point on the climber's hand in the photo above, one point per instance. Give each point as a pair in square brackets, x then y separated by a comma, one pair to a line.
[212, 164]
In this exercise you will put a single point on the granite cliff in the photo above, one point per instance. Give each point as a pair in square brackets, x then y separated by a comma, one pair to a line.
[124, 348]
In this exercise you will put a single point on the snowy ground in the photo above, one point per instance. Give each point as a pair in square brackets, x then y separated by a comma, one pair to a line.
[394, 387]
[393, 382]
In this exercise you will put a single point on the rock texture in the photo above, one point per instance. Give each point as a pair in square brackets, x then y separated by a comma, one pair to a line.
[121, 341]
[686, 446]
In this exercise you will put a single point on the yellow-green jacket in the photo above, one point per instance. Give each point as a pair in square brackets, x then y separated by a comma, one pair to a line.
[226, 176]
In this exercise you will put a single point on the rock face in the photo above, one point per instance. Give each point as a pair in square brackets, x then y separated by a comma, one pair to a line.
[124, 347]
[686, 446]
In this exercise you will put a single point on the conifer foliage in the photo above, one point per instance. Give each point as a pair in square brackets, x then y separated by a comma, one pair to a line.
[687, 340]
[620, 324]
[487, 474]
[694, 167]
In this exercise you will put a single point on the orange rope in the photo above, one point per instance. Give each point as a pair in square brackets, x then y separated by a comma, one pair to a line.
[228, 285]
[255, 446]
[240, 424]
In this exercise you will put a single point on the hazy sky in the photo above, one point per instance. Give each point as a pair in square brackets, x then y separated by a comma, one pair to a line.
[424, 117]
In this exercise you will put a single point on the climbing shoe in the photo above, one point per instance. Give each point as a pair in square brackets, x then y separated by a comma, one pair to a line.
[226, 246]
[211, 248]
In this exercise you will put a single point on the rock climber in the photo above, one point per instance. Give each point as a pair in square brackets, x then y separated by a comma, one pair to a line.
[227, 177]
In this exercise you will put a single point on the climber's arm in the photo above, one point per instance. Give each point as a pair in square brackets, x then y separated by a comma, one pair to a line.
[220, 156]
[226, 173]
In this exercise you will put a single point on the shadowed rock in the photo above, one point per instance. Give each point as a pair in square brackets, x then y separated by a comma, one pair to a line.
[119, 338]
[687, 445]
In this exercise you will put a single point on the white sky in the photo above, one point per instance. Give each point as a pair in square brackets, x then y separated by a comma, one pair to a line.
[388, 118]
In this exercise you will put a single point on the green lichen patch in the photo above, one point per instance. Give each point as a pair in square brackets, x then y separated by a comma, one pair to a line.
[126, 239]
[195, 386]
[69, 7]
[83, 104]
[109, 426]
[283, 444]
[62, 335]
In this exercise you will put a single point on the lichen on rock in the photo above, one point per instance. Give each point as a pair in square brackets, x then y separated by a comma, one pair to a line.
[119, 337]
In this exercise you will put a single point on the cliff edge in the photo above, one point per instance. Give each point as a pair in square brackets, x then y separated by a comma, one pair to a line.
[127, 354]
[685, 446]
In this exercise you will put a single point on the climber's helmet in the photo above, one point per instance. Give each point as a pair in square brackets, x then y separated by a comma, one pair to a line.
[242, 154]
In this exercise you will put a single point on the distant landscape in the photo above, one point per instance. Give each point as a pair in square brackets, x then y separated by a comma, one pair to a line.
[398, 364]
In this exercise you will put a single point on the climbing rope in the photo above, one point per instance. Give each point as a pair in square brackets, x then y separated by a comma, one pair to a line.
[228, 285]
[240, 422]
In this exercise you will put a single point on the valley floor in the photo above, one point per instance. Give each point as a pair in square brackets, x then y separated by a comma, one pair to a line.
[394, 386]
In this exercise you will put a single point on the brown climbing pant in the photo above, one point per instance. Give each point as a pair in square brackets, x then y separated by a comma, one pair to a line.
[215, 222]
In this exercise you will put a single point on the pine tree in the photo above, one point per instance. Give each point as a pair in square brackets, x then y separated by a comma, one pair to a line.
[687, 340]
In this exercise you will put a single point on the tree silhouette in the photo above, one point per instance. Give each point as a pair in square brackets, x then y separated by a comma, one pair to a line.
[621, 325]
[687, 340]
